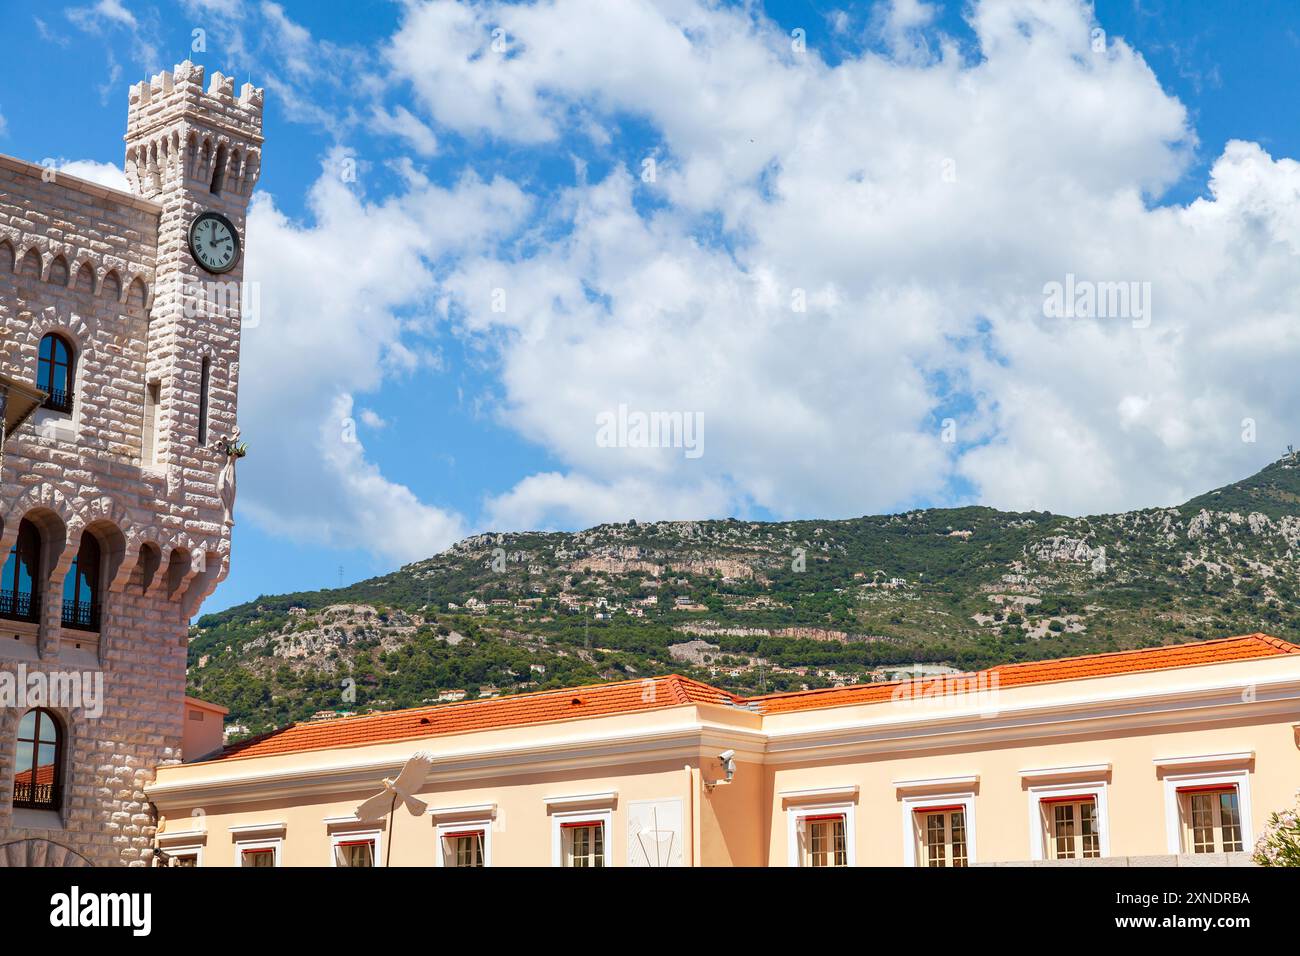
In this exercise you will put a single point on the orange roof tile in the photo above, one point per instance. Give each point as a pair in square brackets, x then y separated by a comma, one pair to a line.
[655, 693]
[594, 700]
[1246, 647]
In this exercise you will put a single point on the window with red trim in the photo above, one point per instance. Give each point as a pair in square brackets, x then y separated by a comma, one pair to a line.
[464, 848]
[583, 843]
[941, 831]
[1211, 818]
[1072, 828]
[359, 852]
[823, 840]
[257, 857]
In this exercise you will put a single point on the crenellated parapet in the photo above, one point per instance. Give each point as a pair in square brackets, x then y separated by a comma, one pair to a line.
[179, 133]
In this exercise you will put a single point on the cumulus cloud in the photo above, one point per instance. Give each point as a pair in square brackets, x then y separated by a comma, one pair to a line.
[105, 174]
[833, 260]
[834, 268]
[552, 500]
[335, 297]
[102, 15]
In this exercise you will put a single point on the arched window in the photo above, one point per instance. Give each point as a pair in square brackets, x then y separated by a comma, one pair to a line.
[19, 598]
[81, 587]
[54, 372]
[38, 783]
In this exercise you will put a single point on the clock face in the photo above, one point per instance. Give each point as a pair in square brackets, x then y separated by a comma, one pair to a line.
[214, 243]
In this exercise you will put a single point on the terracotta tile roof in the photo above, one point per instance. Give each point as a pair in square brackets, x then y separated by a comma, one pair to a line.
[625, 697]
[44, 776]
[1242, 648]
[593, 700]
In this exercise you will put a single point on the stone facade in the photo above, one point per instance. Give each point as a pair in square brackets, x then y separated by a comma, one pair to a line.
[153, 336]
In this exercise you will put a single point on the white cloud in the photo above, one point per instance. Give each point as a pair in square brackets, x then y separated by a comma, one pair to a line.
[915, 199]
[551, 500]
[402, 123]
[111, 11]
[331, 297]
[920, 203]
[113, 14]
[367, 510]
[105, 174]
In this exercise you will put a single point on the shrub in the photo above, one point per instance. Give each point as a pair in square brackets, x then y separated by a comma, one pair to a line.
[1279, 844]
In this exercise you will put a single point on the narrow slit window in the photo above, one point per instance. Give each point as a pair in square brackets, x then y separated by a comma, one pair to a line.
[152, 398]
[205, 381]
[219, 170]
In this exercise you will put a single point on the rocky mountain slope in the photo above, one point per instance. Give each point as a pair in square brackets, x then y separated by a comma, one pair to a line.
[762, 606]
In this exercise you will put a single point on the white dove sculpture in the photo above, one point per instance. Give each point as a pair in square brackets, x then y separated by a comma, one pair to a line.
[403, 788]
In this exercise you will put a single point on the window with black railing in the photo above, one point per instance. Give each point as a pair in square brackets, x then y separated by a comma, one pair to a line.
[38, 781]
[81, 587]
[18, 605]
[59, 400]
[81, 615]
[19, 598]
[54, 370]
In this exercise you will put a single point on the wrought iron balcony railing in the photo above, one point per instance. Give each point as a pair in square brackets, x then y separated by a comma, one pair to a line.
[37, 796]
[59, 400]
[81, 615]
[19, 606]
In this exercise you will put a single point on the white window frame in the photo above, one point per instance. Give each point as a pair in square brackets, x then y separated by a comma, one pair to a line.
[1038, 822]
[1224, 778]
[911, 836]
[796, 813]
[187, 849]
[441, 830]
[341, 835]
[183, 842]
[275, 844]
[258, 836]
[558, 817]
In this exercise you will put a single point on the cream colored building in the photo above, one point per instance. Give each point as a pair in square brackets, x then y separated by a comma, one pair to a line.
[120, 316]
[1167, 756]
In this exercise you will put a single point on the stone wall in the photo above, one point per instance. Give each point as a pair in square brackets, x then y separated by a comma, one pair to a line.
[111, 273]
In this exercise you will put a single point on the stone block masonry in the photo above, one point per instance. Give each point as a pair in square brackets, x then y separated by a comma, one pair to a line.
[130, 458]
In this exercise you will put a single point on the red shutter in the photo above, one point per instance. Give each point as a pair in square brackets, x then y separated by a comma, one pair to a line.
[824, 816]
[945, 809]
[1210, 788]
[466, 833]
[588, 823]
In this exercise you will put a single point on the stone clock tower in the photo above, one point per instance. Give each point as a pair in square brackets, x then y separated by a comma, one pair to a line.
[193, 152]
[116, 494]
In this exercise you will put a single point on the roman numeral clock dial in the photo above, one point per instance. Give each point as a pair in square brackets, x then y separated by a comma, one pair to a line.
[214, 242]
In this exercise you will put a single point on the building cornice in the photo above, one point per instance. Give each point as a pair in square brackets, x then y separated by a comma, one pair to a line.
[688, 741]
[850, 736]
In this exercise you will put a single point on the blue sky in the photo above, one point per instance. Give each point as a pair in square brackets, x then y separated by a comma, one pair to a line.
[779, 171]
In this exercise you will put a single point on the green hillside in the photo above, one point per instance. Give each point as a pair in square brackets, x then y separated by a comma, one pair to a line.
[775, 605]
